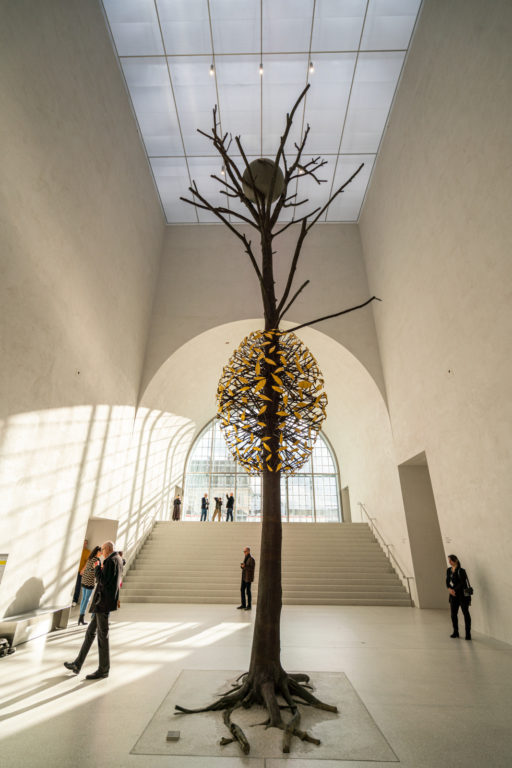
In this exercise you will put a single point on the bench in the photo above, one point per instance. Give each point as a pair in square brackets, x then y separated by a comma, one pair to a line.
[26, 626]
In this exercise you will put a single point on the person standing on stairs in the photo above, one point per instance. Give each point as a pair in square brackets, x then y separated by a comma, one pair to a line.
[230, 503]
[88, 581]
[218, 508]
[248, 566]
[457, 584]
[176, 508]
[204, 507]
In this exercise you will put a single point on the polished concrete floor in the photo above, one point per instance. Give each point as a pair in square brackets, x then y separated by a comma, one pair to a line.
[436, 701]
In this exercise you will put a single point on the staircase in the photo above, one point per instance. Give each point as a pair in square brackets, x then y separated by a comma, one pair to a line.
[322, 564]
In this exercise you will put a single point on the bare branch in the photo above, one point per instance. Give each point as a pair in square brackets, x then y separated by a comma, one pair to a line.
[282, 143]
[259, 198]
[230, 166]
[296, 205]
[296, 221]
[218, 212]
[298, 246]
[336, 314]
[314, 221]
[285, 310]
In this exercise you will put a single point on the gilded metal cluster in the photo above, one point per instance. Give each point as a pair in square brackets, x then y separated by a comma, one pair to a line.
[271, 402]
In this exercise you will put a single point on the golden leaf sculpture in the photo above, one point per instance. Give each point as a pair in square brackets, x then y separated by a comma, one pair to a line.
[271, 367]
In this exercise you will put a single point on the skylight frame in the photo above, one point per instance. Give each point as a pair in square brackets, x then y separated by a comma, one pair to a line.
[359, 15]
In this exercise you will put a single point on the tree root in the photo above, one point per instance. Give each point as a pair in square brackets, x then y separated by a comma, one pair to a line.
[237, 732]
[248, 692]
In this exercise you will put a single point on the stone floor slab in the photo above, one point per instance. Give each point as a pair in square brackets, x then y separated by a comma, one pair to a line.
[349, 735]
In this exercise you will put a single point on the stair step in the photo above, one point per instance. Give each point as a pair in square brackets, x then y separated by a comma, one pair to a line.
[323, 564]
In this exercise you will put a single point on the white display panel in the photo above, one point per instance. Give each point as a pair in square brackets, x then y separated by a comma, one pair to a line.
[338, 25]
[185, 26]
[173, 180]
[152, 98]
[375, 82]
[389, 24]
[236, 26]
[134, 26]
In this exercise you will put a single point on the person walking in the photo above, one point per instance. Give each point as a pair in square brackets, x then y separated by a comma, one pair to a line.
[176, 508]
[83, 559]
[204, 507]
[230, 503]
[248, 565]
[104, 600]
[218, 508]
[88, 581]
[457, 584]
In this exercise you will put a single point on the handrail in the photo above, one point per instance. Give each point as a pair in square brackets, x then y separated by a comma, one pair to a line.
[134, 551]
[387, 547]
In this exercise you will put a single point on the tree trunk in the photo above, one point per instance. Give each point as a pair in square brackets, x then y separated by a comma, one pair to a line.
[266, 645]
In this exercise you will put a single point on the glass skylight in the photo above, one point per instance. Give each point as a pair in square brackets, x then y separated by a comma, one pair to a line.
[182, 57]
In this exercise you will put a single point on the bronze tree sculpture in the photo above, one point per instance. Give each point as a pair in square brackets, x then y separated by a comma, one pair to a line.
[260, 401]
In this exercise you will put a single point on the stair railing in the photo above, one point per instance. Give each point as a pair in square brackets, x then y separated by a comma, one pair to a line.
[134, 551]
[387, 549]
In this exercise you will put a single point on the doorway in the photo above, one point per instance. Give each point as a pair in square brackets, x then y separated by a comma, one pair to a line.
[425, 539]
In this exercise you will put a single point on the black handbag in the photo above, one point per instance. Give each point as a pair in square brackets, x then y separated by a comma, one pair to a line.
[468, 589]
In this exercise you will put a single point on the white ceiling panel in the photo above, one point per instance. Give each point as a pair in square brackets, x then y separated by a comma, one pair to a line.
[287, 25]
[172, 180]
[185, 26]
[284, 79]
[327, 100]
[347, 205]
[389, 24]
[153, 102]
[374, 86]
[239, 87]
[134, 26]
[181, 57]
[201, 170]
[196, 95]
[236, 26]
[338, 25]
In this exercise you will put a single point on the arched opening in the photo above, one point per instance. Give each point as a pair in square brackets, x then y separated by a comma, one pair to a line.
[311, 495]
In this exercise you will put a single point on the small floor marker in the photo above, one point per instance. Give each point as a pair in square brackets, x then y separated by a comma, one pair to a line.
[173, 736]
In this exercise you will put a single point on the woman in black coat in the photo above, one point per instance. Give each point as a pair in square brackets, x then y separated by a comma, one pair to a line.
[456, 583]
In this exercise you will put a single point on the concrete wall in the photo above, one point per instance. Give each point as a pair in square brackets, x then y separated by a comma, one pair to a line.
[207, 280]
[425, 540]
[81, 231]
[437, 235]
[357, 423]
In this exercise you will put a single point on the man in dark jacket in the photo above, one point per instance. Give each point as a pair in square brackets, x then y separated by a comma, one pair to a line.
[104, 600]
[247, 567]
[204, 508]
[230, 503]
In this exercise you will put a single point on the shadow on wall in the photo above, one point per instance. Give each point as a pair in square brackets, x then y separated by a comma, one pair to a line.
[28, 597]
[60, 467]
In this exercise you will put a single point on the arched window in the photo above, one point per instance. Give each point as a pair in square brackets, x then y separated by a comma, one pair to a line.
[311, 495]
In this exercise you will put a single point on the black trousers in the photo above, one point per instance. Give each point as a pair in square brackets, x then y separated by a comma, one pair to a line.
[455, 604]
[245, 589]
[99, 624]
[203, 515]
[229, 514]
[78, 586]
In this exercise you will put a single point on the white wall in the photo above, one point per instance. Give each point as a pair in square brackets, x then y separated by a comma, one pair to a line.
[81, 231]
[437, 236]
[206, 280]
[357, 423]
